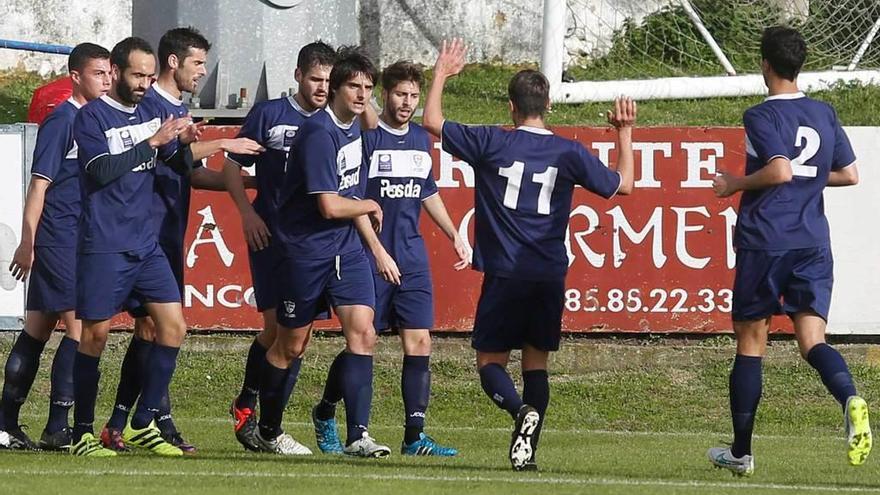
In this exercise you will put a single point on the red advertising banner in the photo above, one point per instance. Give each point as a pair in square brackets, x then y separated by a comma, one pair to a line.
[659, 260]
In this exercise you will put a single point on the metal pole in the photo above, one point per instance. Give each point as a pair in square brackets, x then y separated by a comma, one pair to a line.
[553, 43]
[865, 44]
[35, 47]
[695, 18]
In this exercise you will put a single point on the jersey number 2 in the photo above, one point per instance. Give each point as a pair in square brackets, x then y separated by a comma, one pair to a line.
[514, 174]
[799, 166]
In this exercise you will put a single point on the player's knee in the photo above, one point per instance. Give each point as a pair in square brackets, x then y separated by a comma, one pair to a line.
[361, 338]
[417, 343]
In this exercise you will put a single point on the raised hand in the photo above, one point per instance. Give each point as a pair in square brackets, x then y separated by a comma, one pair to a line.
[624, 112]
[450, 61]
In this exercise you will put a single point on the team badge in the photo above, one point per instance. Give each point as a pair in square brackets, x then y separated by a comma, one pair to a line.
[384, 163]
[418, 161]
[290, 309]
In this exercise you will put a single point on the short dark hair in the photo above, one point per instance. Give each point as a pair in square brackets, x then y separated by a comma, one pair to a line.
[785, 50]
[315, 54]
[529, 90]
[350, 61]
[120, 53]
[83, 53]
[402, 71]
[178, 41]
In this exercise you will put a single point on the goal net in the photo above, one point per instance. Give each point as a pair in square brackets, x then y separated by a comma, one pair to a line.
[699, 48]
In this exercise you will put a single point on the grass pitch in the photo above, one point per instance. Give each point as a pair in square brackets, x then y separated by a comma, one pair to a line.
[625, 417]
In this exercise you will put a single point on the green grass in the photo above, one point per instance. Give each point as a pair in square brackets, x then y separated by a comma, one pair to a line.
[625, 417]
[479, 96]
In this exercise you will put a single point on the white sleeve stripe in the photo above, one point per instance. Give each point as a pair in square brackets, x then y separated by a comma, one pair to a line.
[430, 196]
[42, 176]
[619, 183]
[323, 192]
[777, 156]
[844, 167]
[95, 158]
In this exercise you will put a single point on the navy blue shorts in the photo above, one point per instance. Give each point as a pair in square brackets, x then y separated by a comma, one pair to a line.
[264, 276]
[105, 281]
[52, 282]
[306, 288]
[782, 282]
[512, 313]
[174, 255]
[408, 306]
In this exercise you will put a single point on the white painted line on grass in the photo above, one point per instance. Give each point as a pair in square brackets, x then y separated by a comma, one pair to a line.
[576, 431]
[449, 479]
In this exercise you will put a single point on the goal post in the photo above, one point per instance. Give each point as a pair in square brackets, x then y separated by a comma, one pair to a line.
[553, 61]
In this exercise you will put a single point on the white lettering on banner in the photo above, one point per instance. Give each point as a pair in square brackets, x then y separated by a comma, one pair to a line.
[594, 258]
[229, 296]
[729, 215]
[603, 150]
[209, 225]
[622, 227]
[696, 164]
[648, 150]
[448, 165]
[700, 170]
[655, 224]
[682, 229]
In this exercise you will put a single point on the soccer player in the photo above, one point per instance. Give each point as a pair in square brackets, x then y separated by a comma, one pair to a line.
[323, 261]
[273, 124]
[525, 179]
[794, 148]
[119, 142]
[48, 253]
[182, 56]
[398, 157]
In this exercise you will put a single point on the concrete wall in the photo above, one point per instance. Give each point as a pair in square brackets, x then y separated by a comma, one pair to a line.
[63, 22]
[497, 30]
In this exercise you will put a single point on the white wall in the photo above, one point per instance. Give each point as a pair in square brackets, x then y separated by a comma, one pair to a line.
[60, 22]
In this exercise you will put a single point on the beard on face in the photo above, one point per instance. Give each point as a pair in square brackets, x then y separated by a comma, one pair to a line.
[126, 93]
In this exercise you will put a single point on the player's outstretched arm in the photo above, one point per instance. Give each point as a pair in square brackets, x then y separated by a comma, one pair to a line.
[23, 258]
[239, 146]
[775, 173]
[385, 264]
[623, 118]
[256, 234]
[437, 211]
[335, 207]
[847, 176]
[449, 63]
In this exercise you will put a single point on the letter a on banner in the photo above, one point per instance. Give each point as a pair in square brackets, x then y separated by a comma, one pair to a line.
[210, 226]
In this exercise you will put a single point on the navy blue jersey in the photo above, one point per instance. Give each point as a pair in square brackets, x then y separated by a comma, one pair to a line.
[55, 161]
[792, 215]
[273, 124]
[171, 191]
[325, 157]
[116, 217]
[399, 179]
[524, 183]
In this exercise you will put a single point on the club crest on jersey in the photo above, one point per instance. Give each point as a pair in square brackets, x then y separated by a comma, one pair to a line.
[385, 163]
[127, 140]
[418, 163]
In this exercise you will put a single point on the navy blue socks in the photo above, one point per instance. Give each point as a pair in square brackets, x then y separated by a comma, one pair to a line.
[61, 394]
